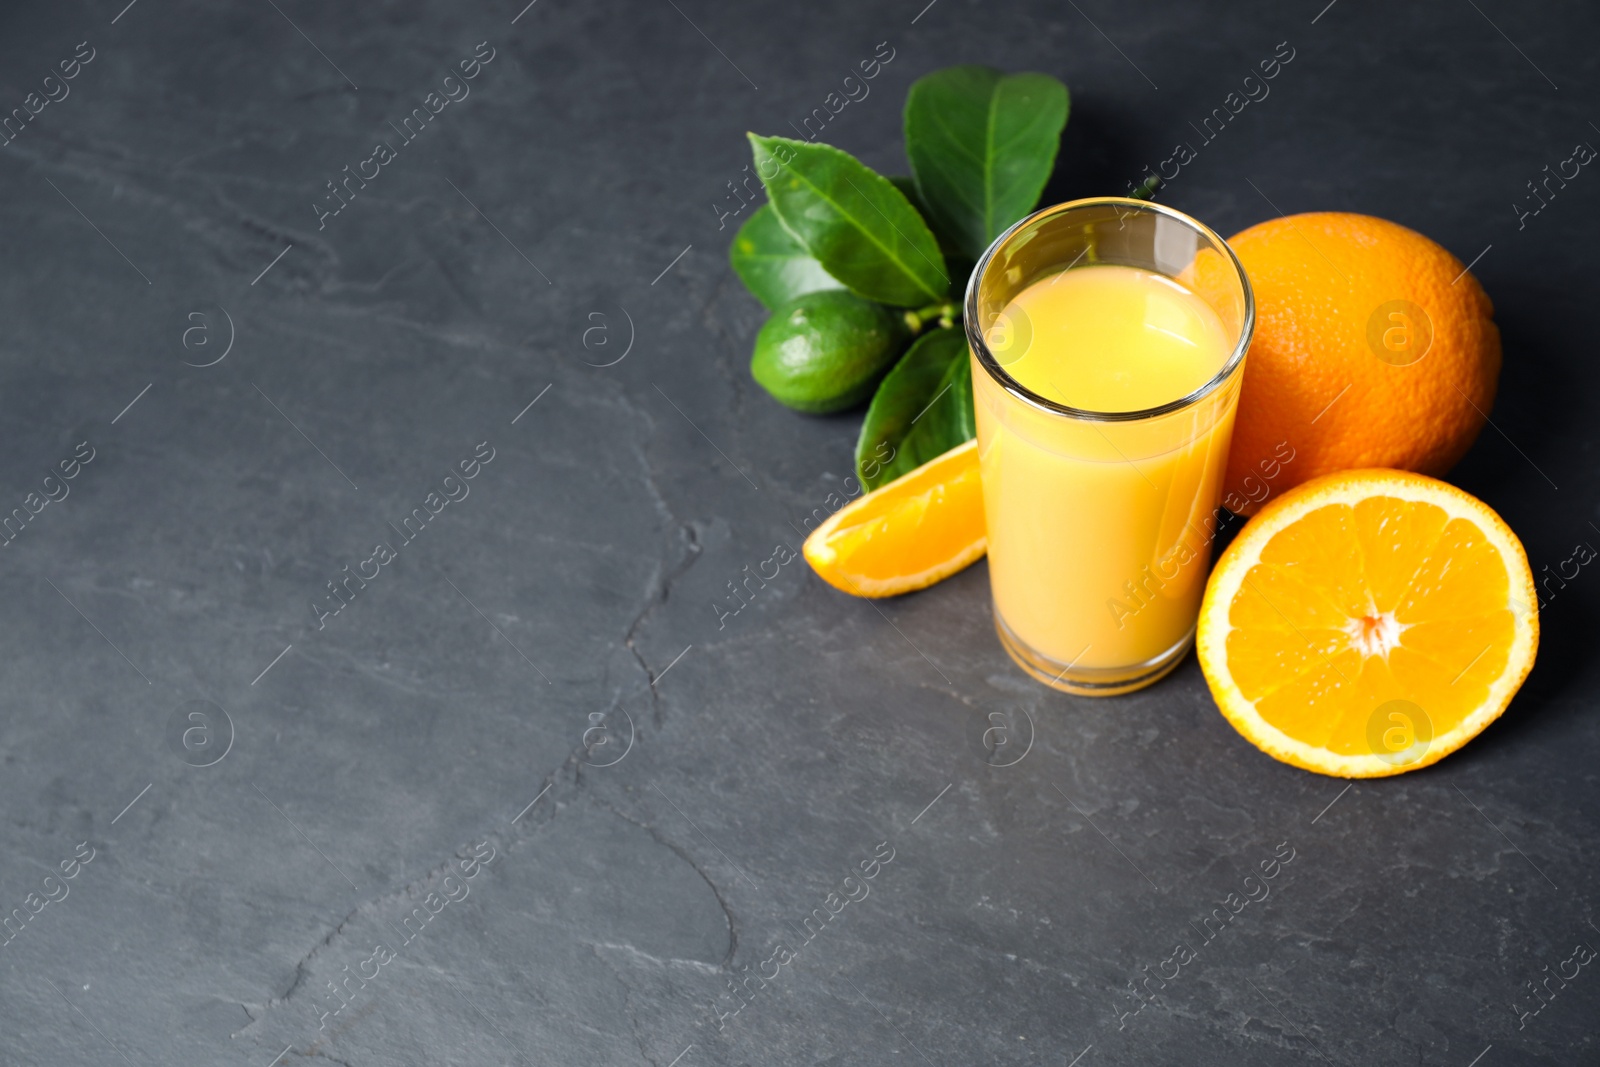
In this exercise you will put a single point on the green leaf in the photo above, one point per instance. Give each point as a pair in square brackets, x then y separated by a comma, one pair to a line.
[855, 222]
[772, 264]
[908, 189]
[957, 263]
[922, 409]
[982, 145]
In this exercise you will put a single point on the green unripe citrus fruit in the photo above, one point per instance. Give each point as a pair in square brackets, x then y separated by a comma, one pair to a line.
[825, 351]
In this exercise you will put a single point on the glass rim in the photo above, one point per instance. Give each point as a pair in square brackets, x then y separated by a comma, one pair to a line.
[1028, 396]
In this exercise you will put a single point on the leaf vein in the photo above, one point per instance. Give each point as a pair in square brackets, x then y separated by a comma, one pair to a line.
[889, 253]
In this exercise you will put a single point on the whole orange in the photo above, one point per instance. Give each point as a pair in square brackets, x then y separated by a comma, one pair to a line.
[1373, 347]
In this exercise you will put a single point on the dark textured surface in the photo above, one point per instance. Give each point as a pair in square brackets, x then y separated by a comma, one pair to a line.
[782, 748]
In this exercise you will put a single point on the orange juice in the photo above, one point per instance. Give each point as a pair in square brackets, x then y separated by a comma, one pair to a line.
[1099, 518]
[1114, 339]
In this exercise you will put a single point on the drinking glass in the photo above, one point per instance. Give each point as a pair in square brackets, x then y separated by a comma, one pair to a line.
[1100, 522]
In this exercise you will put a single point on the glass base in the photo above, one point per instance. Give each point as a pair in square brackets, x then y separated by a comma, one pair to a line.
[1090, 681]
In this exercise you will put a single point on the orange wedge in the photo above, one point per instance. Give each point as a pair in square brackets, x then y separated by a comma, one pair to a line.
[1368, 623]
[919, 529]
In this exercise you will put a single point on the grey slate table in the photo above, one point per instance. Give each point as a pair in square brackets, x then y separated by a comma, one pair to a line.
[530, 796]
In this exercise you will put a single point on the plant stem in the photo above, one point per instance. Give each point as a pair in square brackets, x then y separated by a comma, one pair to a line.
[1147, 189]
[945, 314]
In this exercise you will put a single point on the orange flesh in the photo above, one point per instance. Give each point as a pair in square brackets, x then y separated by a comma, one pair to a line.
[908, 534]
[1353, 606]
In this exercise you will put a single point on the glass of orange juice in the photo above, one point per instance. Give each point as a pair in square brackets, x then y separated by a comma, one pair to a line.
[1108, 339]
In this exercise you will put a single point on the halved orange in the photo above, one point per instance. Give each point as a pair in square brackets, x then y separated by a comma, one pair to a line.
[918, 529]
[1368, 623]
